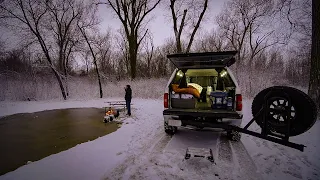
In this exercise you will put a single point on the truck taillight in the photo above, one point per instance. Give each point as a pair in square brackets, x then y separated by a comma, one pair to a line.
[238, 102]
[165, 100]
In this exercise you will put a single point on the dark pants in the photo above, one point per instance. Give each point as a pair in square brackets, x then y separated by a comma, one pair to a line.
[117, 115]
[128, 102]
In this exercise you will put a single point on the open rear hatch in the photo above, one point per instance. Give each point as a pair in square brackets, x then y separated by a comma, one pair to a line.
[202, 84]
[203, 60]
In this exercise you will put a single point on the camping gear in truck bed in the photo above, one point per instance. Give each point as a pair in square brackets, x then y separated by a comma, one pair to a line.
[183, 101]
[220, 100]
[189, 90]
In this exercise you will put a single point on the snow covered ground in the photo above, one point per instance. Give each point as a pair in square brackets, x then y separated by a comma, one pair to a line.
[141, 150]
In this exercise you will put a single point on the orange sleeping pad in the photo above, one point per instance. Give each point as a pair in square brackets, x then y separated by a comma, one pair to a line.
[188, 90]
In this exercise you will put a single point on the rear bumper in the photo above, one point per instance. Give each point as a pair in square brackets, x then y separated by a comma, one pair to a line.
[217, 114]
[204, 118]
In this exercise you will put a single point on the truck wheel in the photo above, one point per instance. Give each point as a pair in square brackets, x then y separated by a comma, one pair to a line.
[234, 135]
[171, 130]
[303, 110]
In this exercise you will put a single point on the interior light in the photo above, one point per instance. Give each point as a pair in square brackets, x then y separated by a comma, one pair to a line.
[224, 73]
[180, 74]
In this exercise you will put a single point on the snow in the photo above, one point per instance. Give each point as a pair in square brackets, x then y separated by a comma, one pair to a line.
[84, 88]
[141, 150]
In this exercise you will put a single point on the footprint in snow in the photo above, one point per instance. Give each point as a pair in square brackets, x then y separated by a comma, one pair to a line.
[257, 142]
[294, 174]
[258, 155]
[277, 161]
[305, 160]
[268, 170]
[293, 170]
[265, 144]
[269, 157]
[294, 165]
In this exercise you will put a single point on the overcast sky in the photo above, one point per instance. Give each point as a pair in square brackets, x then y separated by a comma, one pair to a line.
[161, 23]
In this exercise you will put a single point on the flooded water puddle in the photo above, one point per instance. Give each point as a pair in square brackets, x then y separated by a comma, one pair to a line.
[33, 136]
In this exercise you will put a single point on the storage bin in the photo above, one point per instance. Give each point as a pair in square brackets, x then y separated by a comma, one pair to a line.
[183, 103]
[218, 100]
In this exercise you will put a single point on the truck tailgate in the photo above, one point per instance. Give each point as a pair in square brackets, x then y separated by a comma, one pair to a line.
[216, 113]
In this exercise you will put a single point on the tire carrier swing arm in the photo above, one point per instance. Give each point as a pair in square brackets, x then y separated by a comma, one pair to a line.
[266, 132]
[271, 130]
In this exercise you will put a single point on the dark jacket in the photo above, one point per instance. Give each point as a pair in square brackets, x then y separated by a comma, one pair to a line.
[128, 95]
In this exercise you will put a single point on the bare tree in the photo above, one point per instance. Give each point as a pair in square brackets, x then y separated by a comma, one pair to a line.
[303, 18]
[160, 65]
[210, 41]
[31, 17]
[85, 54]
[64, 15]
[294, 18]
[244, 24]
[83, 32]
[123, 47]
[132, 15]
[84, 25]
[149, 51]
[52, 25]
[190, 19]
[258, 43]
[314, 82]
[102, 45]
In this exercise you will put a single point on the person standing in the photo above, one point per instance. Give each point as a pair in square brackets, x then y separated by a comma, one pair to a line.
[128, 98]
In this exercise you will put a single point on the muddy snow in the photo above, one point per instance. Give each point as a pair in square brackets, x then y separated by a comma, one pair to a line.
[141, 150]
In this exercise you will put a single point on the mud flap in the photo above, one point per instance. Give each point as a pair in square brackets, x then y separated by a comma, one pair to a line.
[199, 152]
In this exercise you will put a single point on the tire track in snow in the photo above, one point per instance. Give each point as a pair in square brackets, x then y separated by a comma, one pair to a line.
[246, 168]
[135, 165]
[149, 157]
[224, 150]
[290, 164]
[284, 163]
[148, 132]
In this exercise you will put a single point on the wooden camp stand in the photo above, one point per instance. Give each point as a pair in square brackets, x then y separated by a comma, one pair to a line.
[117, 105]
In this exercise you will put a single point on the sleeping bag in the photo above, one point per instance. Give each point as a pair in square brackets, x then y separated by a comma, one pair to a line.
[189, 90]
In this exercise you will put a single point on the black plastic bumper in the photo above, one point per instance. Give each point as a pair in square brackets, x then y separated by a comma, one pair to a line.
[203, 113]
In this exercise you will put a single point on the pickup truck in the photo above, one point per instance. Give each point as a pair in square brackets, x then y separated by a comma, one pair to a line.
[202, 89]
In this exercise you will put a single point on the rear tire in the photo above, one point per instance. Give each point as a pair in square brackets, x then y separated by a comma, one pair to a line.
[171, 130]
[234, 135]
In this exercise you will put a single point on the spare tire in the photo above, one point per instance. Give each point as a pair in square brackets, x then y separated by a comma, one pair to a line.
[303, 112]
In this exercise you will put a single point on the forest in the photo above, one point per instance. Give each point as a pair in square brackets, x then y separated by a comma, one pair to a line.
[63, 53]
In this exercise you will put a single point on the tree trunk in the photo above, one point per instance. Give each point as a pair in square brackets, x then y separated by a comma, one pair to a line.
[60, 83]
[87, 64]
[178, 45]
[314, 82]
[133, 57]
[46, 52]
[99, 79]
[66, 80]
[94, 59]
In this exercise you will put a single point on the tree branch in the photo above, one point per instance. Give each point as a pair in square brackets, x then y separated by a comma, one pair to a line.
[197, 25]
[147, 12]
[142, 37]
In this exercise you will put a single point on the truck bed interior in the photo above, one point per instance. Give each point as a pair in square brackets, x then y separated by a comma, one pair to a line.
[202, 89]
